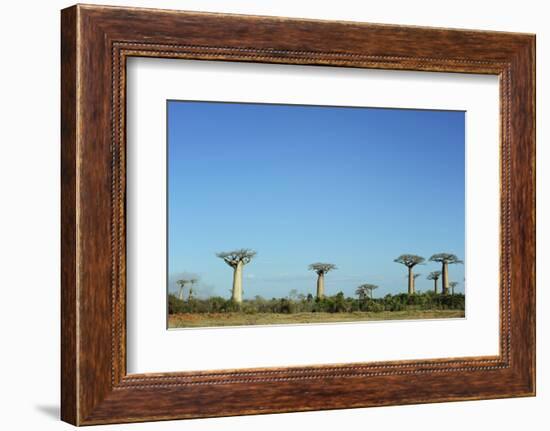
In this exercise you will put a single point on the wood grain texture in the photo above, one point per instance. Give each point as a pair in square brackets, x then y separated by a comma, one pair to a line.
[69, 397]
[96, 41]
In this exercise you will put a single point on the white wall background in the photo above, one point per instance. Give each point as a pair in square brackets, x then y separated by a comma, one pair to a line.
[29, 218]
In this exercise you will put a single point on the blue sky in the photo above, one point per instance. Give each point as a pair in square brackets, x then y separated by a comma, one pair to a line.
[356, 187]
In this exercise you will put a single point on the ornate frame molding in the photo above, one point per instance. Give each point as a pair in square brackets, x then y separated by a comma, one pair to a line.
[96, 41]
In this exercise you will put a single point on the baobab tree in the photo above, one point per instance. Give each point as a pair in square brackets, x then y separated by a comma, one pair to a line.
[452, 285]
[410, 261]
[293, 295]
[181, 284]
[191, 281]
[321, 269]
[236, 259]
[445, 259]
[361, 292]
[365, 291]
[434, 275]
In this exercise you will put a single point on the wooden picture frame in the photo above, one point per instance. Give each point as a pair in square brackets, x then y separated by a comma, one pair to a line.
[95, 43]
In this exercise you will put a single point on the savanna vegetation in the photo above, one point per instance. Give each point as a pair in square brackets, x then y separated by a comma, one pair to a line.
[299, 308]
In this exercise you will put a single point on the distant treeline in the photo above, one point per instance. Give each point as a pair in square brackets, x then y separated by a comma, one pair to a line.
[338, 303]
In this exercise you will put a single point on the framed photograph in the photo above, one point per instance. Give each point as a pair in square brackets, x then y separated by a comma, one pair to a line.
[319, 176]
[263, 214]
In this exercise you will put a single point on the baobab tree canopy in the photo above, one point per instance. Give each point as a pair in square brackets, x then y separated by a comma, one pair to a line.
[445, 258]
[322, 268]
[187, 280]
[233, 258]
[367, 286]
[409, 260]
[365, 290]
[434, 275]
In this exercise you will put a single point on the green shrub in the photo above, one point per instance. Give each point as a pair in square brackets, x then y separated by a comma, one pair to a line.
[338, 303]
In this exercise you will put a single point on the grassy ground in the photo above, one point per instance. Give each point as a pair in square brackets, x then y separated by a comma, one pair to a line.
[197, 320]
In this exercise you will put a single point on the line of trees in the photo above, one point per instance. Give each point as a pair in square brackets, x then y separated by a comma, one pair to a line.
[445, 259]
[237, 259]
[339, 303]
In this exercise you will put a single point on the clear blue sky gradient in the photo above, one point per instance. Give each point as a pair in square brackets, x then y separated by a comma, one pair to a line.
[356, 187]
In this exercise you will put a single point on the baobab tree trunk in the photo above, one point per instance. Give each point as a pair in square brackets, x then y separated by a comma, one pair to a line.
[237, 294]
[435, 286]
[445, 278]
[321, 285]
[411, 281]
[181, 293]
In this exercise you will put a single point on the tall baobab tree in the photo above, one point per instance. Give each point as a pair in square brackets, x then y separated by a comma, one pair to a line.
[410, 261]
[434, 275]
[181, 284]
[452, 285]
[445, 259]
[236, 259]
[321, 269]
